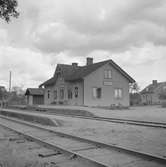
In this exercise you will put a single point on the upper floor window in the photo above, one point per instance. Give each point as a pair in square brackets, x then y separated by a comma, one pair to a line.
[76, 91]
[97, 93]
[107, 74]
[55, 94]
[48, 94]
[118, 93]
[70, 94]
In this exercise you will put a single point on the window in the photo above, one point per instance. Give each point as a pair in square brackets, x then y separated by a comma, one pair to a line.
[97, 93]
[107, 74]
[70, 94]
[55, 94]
[118, 93]
[48, 94]
[76, 92]
[61, 93]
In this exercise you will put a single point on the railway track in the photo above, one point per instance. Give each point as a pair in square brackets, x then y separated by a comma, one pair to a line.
[96, 153]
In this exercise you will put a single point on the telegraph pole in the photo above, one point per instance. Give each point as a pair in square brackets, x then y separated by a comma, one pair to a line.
[10, 80]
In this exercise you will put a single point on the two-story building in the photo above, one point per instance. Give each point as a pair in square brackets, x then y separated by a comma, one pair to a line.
[151, 93]
[95, 84]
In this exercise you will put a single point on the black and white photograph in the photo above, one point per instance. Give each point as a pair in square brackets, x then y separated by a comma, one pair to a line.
[82, 83]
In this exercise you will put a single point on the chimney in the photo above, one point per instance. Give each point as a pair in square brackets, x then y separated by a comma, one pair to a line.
[75, 65]
[89, 61]
[154, 82]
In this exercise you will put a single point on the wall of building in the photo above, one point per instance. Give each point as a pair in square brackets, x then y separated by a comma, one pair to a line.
[30, 100]
[38, 99]
[152, 98]
[96, 79]
[65, 85]
[147, 98]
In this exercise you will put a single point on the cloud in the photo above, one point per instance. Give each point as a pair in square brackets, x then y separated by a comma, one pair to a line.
[131, 32]
[28, 67]
[84, 26]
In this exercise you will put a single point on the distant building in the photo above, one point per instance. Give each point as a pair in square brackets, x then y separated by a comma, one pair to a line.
[95, 84]
[35, 96]
[150, 94]
[2, 89]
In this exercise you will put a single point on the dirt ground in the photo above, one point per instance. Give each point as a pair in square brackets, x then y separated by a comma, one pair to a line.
[147, 139]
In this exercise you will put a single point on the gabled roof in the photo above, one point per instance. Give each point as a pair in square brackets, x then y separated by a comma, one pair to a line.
[151, 88]
[34, 91]
[71, 73]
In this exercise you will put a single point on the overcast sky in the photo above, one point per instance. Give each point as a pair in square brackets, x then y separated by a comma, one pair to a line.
[131, 32]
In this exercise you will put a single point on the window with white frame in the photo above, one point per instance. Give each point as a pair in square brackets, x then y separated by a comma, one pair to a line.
[97, 93]
[48, 94]
[55, 94]
[76, 92]
[118, 93]
[62, 93]
[107, 74]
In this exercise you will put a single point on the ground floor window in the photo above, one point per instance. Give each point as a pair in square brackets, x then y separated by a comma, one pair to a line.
[48, 94]
[76, 92]
[97, 93]
[62, 93]
[118, 93]
[55, 94]
[70, 94]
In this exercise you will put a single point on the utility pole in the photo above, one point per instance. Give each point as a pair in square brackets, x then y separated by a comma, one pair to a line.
[10, 80]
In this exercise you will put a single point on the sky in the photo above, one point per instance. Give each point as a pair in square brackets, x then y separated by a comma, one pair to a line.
[132, 33]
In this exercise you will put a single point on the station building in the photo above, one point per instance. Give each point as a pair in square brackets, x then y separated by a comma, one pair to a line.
[95, 84]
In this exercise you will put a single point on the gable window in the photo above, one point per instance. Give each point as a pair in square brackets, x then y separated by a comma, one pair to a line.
[76, 92]
[118, 93]
[70, 94]
[97, 93]
[62, 93]
[59, 72]
[107, 74]
[55, 94]
[48, 94]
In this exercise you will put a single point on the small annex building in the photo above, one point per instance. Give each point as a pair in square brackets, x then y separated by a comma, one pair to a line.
[95, 84]
[35, 96]
[151, 93]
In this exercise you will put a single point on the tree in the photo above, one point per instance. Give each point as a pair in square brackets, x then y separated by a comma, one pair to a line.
[134, 88]
[3, 93]
[8, 9]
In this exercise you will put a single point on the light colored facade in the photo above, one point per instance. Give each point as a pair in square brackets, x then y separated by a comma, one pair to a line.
[100, 84]
[108, 87]
[150, 94]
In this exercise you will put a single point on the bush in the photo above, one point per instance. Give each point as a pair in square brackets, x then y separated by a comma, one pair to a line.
[163, 104]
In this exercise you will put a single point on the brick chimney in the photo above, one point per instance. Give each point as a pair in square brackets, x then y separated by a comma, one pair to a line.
[89, 61]
[154, 82]
[75, 65]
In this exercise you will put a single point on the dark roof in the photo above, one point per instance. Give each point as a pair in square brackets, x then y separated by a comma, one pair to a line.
[34, 91]
[71, 73]
[151, 87]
